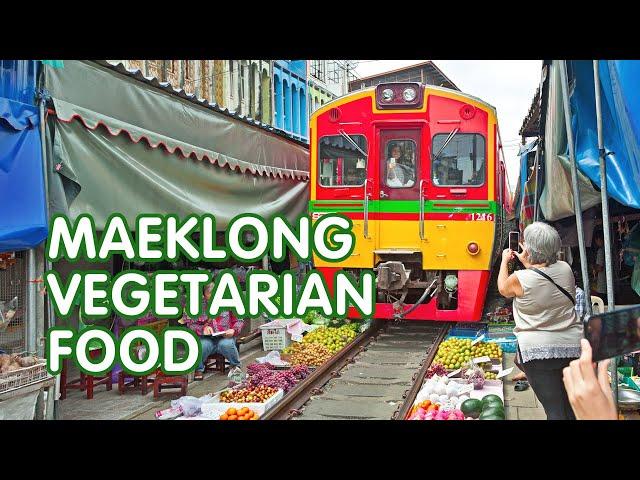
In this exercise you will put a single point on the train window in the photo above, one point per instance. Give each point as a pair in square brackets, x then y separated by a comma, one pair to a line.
[460, 162]
[401, 163]
[341, 164]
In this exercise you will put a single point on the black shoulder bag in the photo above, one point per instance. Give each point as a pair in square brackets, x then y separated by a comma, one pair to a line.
[567, 294]
[518, 359]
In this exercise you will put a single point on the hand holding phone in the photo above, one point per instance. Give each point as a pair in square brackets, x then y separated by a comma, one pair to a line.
[613, 334]
[514, 241]
[590, 396]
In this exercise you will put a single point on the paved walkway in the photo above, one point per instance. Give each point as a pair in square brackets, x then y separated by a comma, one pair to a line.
[132, 405]
[520, 405]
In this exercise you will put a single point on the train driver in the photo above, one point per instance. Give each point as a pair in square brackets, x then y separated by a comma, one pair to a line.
[400, 170]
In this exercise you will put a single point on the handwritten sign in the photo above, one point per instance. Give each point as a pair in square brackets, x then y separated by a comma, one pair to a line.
[504, 373]
[481, 359]
[479, 339]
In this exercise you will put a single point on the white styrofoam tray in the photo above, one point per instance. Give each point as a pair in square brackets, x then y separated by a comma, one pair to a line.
[215, 407]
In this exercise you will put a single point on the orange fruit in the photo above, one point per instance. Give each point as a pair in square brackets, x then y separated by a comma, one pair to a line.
[254, 417]
[242, 417]
[224, 416]
[243, 411]
[233, 417]
[232, 411]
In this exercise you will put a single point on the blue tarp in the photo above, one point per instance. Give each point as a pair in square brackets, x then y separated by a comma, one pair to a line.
[620, 97]
[23, 216]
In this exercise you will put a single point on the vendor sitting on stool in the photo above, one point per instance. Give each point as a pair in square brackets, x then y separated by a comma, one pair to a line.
[204, 327]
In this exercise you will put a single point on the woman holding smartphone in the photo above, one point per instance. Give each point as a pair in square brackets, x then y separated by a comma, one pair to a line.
[547, 326]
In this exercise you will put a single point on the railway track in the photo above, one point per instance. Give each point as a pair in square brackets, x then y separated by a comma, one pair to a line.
[376, 377]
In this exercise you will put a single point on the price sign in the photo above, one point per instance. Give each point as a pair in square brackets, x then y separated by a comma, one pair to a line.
[481, 359]
[296, 337]
[479, 339]
[454, 373]
[465, 389]
[504, 373]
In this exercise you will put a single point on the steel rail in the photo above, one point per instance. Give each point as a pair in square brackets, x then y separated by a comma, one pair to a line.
[410, 395]
[293, 401]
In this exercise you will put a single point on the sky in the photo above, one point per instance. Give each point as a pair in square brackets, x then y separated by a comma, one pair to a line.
[508, 85]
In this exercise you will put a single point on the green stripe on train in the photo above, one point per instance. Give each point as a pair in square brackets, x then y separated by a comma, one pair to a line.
[404, 206]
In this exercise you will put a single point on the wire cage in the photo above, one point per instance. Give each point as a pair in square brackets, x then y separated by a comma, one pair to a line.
[13, 283]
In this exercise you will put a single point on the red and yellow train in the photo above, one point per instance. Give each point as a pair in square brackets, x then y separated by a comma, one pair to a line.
[420, 171]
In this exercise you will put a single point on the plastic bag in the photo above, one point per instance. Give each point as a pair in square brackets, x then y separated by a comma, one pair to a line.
[236, 376]
[190, 406]
[273, 358]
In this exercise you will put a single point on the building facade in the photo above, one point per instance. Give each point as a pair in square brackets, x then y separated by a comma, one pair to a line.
[242, 86]
[290, 109]
[280, 93]
[327, 80]
[427, 73]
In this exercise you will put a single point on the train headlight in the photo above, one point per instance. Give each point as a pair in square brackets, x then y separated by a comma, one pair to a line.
[409, 94]
[387, 94]
[473, 248]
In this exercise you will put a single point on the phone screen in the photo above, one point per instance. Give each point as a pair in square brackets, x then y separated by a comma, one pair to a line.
[514, 241]
[615, 333]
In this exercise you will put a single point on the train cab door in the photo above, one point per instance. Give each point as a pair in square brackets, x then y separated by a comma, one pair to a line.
[400, 152]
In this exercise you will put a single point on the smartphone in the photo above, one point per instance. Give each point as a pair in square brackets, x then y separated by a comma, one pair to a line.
[514, 241]
[613, 334]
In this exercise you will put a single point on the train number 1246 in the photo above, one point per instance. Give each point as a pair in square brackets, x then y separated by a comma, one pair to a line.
[482, 217]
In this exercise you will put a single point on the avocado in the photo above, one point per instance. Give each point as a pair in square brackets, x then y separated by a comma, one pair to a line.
[471, 407]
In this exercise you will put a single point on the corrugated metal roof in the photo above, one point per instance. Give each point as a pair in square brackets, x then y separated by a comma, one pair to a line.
[428, 64]
[167, 87]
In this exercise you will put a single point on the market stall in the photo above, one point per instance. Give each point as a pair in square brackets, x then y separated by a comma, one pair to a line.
[293, 349]
[23, 228]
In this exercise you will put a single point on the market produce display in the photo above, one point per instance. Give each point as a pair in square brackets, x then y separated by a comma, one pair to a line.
[437, 369]
[264, 374]
[243, 413]
[475, 375]
[442, 391]
[454, 352]
[332, 338]
[248, 395]
[428, 411]
[492, 408]
[489, 408]
[312, 354]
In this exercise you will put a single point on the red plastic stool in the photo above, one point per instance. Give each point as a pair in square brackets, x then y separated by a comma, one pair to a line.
[88, 382]
[143, 382]
[165, 381]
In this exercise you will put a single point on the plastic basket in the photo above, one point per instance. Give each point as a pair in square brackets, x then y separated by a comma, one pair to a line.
[508, 344]
[467, 329]
[23, 377]
[274, 336]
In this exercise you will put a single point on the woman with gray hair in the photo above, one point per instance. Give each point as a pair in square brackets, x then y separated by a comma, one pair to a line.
[547, 325]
